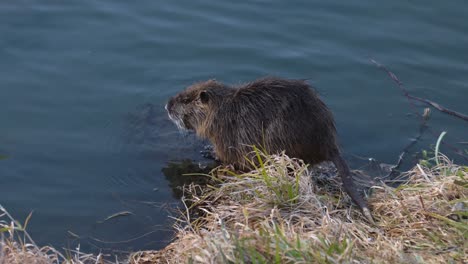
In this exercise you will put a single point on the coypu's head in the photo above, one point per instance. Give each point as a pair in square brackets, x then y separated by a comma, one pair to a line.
[190, 108]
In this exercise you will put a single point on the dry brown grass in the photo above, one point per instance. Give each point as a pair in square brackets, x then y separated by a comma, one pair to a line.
[279, 214]
[17, 247]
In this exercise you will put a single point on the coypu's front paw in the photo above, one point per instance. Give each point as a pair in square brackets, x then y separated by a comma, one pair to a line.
[209, 153]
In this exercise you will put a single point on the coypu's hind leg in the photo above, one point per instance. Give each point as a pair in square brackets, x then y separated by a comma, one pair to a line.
[350, 187]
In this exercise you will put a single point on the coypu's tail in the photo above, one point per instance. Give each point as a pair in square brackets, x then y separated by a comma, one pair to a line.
[350, 187]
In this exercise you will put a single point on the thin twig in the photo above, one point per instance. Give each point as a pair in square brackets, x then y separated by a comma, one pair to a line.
[439, 107]
[409, 96]
[422, 128]
[124, 241]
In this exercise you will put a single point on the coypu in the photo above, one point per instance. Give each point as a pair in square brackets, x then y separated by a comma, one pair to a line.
[277, 114]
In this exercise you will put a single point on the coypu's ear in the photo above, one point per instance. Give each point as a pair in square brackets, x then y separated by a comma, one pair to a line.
[204, 97]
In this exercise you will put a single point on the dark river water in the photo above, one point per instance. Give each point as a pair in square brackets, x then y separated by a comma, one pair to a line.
[83, 86]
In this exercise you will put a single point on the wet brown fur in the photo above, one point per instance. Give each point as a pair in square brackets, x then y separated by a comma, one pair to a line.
[273, 113]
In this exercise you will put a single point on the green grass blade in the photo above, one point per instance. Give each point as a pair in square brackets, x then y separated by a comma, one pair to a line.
[437, 147]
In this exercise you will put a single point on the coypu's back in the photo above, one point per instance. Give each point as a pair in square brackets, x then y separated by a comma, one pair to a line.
[276, 114]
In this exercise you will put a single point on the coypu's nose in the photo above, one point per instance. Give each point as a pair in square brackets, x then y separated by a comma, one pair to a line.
[169, 104]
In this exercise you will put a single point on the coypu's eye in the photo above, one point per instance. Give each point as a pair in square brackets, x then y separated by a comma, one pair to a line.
[185, 100]
[204, 97]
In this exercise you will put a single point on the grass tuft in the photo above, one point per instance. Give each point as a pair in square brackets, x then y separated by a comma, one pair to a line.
[283, 213]
[16, 246]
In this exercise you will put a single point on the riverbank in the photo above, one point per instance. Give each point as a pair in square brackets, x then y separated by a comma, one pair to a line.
[277, 214]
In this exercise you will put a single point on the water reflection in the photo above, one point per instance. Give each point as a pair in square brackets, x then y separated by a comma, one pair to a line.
[186, 172]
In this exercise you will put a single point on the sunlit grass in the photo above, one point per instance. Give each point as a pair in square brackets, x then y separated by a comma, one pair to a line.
[279, 214]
